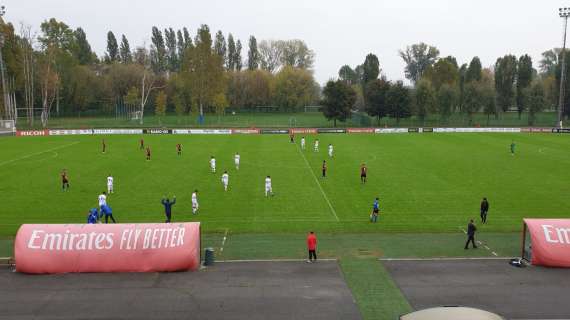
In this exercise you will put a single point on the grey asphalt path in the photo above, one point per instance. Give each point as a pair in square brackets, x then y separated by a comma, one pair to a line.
[492, 285]
[238, 290]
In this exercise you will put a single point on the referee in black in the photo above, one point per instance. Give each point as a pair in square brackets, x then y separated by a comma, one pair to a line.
[471, 235]
[484, 210]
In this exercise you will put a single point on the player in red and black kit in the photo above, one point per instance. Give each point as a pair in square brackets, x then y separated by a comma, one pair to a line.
[142, 144]
[179, 149]
[147, 153]
[324, 168]
[363, 171]
[104, 146]
[64, 180]
[292, 137]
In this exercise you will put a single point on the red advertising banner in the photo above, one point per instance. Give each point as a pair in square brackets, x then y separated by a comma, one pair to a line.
[303, 130]
[550, 239]
[360, 130]
[64, 248]
[31, 133]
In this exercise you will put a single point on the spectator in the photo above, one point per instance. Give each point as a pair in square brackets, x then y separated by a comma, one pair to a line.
[168, 207]
[471, 234]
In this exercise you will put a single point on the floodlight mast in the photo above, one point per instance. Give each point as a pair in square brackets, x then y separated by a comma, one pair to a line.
[10, 113]
[564, 13]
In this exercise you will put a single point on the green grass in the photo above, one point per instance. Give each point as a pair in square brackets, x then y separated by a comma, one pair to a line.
[426, 182]
[429, 186]
[300, 119]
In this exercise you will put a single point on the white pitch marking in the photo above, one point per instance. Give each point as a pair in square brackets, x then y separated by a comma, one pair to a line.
[224, 240]
[38, 153]
[272, 260]
[494, 253]
[487, 248]
[318, 184]
[445, 259]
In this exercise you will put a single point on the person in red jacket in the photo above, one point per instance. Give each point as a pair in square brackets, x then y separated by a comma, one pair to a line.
[312, 246]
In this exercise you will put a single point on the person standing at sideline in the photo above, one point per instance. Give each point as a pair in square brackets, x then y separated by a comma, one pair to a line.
[312, 246]
[168, 207]
[375, 211]
[513, 145]
[142, 144]
[292, 136]
[303, 143]
[104, 146]
[316, 147]
[324, 168]
[471, 234]
[484, 210]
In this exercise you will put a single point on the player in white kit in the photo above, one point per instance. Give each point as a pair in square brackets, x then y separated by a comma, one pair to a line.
[195, 205]
[213, 164]
[330, 150]
[225, 180]
[303, 143]
[268, 189]
[236, 160]
[102, 199]
[317, 145]
[110, 184]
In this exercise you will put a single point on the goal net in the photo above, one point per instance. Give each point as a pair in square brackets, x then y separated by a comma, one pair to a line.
[7, 126]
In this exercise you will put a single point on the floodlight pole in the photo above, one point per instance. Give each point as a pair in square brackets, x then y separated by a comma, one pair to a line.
[564, 13]
[7, 107]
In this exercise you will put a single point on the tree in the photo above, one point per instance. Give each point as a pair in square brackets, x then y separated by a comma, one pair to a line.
[524, 79]
[473, 99]
[371, 68]
[172, 62]
[399, 101]
[347, 75]
[446, 100]
[296, 53]
[252, 54]
[220, 45]
[488, 99]
[417, 58]
[442, 72]
[338, 99]
[203, 70]
[237, 58]
[549, 61]
[179, 107]
[270, 55]
[425, 99]
[112, 47]
[82, 50]
[125, 51]
[294, 88]
[474, 70]
[375, 95]
[220, 103]
[132, 98]
[231, 63]
[505, 74]
[160, 106]
[536, 101]
[157, 51]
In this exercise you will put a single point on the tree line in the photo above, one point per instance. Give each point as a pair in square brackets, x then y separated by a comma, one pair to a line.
[56, 71]
[441, 87]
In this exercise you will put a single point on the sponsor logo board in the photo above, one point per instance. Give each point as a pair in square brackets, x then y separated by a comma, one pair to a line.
[274, 131]
[303, 130]
[64, 132]
[360, 130]
[391, 130]
[117, 131]
[32, 133]
[157, 131]
[245, 131]
[331, 130]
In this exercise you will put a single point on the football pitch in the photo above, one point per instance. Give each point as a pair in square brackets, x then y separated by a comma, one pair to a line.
[425, 182]
[429, 186]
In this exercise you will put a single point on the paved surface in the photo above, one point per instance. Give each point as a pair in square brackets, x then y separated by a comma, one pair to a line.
[240, 290]
[492, 285]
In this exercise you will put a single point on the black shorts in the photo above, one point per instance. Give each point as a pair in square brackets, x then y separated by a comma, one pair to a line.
[363, 175]
[375, 210]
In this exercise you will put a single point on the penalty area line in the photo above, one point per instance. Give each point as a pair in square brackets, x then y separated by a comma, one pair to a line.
[318, 184]
[38, 153]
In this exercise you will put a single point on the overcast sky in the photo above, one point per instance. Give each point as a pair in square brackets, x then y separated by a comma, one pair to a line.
[340, 32]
